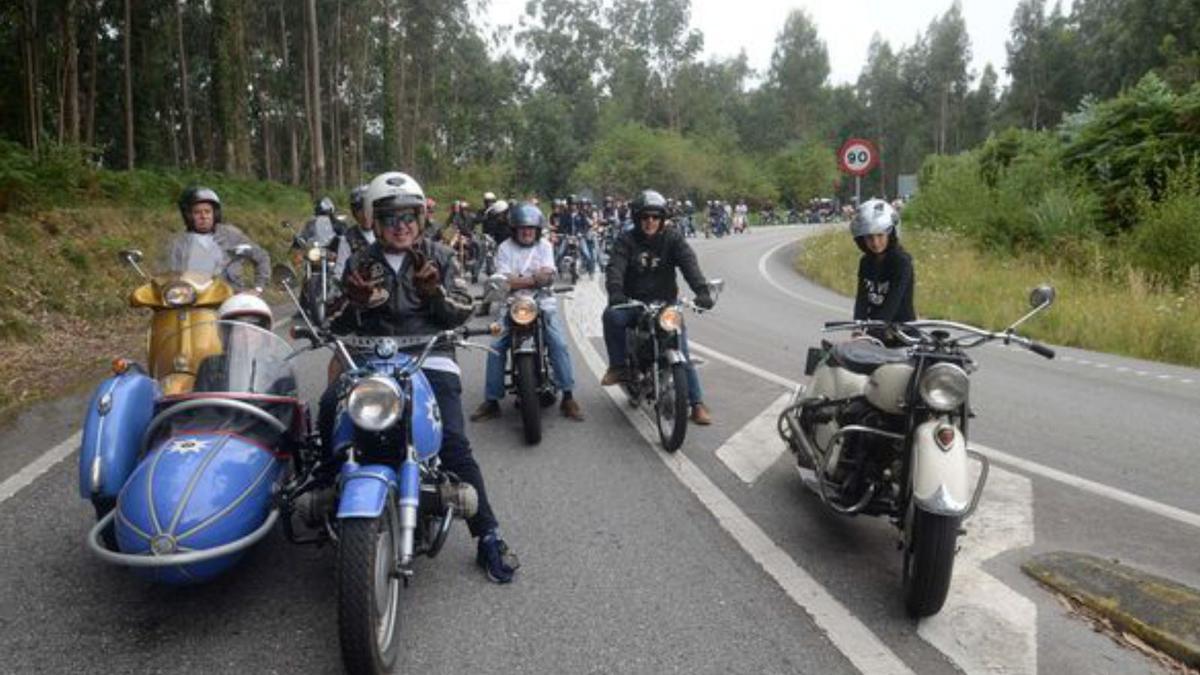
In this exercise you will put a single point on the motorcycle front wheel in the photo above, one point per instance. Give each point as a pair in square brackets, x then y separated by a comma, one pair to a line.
[671, 406]
[931, 543]
[525, 372]
[369, 592]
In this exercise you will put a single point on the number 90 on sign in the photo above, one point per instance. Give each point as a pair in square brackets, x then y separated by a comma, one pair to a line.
[857, 157]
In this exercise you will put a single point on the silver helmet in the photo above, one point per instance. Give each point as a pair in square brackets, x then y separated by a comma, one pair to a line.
[874, 216]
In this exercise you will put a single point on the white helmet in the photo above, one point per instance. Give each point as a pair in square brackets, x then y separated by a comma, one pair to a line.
[497, 209]
[874, 216]
[392, 190]
[246, 307]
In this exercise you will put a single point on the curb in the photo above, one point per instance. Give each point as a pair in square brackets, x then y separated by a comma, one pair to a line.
[1163, 613]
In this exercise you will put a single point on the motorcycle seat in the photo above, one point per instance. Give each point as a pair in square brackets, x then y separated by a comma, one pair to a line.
[864, 356]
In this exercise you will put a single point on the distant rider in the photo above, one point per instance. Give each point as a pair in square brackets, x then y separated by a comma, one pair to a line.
[200, 208]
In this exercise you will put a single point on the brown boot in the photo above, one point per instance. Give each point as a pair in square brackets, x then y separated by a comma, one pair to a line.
[614, 376]
[486, 411]
[700, 415]
[571, 410]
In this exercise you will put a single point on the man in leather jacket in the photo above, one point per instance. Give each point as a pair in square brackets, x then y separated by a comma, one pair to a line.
[642, 267]
[406, 285]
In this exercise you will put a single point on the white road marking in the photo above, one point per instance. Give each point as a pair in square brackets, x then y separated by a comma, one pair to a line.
[849, 635]
[762, 270]
[741, 365]
[986, 626]
[31, 471]
[756, 446]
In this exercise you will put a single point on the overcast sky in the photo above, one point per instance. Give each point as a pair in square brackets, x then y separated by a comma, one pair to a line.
[846, 26]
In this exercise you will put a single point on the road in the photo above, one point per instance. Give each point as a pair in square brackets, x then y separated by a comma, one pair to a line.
[714, 560]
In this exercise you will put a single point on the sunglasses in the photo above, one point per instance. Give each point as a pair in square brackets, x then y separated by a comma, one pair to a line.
[393, 221]
[652, 216]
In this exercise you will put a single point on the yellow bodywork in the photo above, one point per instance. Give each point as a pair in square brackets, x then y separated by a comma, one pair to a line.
[178, 341]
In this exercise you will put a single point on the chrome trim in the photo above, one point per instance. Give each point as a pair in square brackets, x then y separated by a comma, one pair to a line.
[942, 504]
[985, 466]
[103, 409]
[188, 558]
[183, 406]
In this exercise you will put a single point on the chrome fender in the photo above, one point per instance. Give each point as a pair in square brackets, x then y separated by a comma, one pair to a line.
[940, 480]
[364, 489]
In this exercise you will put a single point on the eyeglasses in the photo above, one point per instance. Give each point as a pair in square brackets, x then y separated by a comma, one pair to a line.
[393, 221]
[651, 216]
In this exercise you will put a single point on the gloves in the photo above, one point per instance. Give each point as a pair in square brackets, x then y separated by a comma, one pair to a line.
[358, 289]
[427, 279]
[704, 301]
[617, 299]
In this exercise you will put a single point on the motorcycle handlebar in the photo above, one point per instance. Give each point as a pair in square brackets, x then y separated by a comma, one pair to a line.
[1041, 350]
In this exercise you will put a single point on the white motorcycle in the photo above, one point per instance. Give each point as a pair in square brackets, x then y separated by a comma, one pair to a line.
[883, 431]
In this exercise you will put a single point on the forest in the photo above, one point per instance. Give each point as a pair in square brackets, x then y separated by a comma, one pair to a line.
[606, 95]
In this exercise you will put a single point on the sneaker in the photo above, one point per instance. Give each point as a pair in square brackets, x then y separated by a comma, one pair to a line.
[496, 559]
[700, 415]
[486, 411]
[571, 410]
[614, 376]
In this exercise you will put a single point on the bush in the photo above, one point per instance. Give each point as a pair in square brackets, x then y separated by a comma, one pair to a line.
[1166, 241]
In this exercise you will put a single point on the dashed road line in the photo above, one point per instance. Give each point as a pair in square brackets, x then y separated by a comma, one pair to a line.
[33, 470]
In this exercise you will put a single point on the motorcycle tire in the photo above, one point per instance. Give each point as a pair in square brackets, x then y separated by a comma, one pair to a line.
[671, 406]
[525, 372]
[929, 552]
[367, 551]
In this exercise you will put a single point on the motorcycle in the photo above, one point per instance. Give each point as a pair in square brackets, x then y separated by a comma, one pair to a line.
[883, 431]
[184, 483]
[528, 372]
[657, 365]
[465, 250]
[186, 289]
[568, 262]
[319, 260]
[488, 248]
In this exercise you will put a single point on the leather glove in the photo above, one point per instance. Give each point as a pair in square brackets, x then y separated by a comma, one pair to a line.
[427, 279]
[704, 301]
[358, 289]
[617, 299]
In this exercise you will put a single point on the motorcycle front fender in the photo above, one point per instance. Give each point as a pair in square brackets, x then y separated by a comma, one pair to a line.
[364, 489]
[940, 480]
[525, 344]
[672, 356]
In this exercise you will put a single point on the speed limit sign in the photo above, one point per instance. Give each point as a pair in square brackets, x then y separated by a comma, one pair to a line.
[857, 157]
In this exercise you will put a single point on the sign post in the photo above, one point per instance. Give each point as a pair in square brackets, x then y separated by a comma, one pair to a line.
[857, 157]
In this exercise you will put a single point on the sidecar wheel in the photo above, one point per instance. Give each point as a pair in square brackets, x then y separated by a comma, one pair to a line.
[369, 592]
[931, 543]
[525, 372]
[103, 505]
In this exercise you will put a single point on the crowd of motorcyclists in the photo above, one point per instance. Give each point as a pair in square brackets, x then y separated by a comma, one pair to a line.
[397, 272]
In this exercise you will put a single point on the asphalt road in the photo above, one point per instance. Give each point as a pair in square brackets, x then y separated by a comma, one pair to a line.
[715, 560]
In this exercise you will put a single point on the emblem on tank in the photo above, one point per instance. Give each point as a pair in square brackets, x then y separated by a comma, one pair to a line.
[162, 544]
[433, 414]
[187, 445]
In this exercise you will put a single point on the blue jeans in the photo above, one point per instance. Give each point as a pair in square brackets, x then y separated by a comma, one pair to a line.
[617, 323]
[556, 344]
[585, 253]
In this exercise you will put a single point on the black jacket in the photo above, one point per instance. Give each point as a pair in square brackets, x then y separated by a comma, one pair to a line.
[644, 269]
[404, 313]
[885, 287]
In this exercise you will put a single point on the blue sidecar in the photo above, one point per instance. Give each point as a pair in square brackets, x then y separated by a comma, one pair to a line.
[183, 484]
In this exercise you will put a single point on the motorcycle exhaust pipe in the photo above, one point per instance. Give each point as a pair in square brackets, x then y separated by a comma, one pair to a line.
[461, 497]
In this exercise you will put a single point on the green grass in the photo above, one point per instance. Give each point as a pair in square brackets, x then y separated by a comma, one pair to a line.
[1097, 309]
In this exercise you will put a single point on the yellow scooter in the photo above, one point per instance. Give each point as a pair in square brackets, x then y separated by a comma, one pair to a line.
[184, 294]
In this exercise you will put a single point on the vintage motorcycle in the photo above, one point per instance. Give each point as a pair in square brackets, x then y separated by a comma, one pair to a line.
[186, 288]
[466, 251]
[183, 483]
[883, 431]
[657, 365]
[528, 372]
[313, 249]
[568, 263]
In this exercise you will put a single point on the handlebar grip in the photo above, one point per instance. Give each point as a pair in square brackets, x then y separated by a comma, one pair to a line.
[839, 324]
[1041, 350]
[471, 332]
[563, 289]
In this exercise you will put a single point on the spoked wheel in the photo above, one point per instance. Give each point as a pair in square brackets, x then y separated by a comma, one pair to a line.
[525, 371]
[369, 592]
[671, 406]
[930, 545]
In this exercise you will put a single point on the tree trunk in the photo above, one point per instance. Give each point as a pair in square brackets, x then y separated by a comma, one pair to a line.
[71, 71]
[264, 128]
[231, 110]
[185, 89]
[335, 100]
[314, 70]
[128, 77]
[93, 49]
[289, 109]
[28, 53]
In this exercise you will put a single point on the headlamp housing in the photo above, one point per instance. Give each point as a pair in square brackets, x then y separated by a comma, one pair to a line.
[375, 403]
[944, 386]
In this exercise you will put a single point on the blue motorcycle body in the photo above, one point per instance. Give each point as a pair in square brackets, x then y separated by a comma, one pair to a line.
[117, 416]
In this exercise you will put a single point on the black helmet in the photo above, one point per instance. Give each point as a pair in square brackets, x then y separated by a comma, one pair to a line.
[649, 201]
[323, 207]
[357, 196]
[194, 195]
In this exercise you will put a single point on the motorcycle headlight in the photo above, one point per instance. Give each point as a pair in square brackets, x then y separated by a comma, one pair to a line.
[944, 386]
[178, 295]
[670, 319]
[523, 311]
[314, 254]
[375, 403]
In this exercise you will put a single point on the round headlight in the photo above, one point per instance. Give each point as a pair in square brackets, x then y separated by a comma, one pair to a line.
[670, 319]
[375, 403]
[314, 254]
[177, 295]
[523, 311]
[944, 386]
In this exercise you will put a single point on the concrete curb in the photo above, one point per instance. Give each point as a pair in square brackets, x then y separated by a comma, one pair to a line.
[1163, 613]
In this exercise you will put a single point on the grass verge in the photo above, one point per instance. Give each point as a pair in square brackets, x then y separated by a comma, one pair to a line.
[1127, 315]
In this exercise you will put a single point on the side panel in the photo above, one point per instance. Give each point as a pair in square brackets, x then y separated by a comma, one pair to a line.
[117, 415]
[887, 387]
[364, 489]
[940, 481]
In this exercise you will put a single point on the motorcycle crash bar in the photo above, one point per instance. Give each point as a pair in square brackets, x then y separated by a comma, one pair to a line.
[187, 558]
